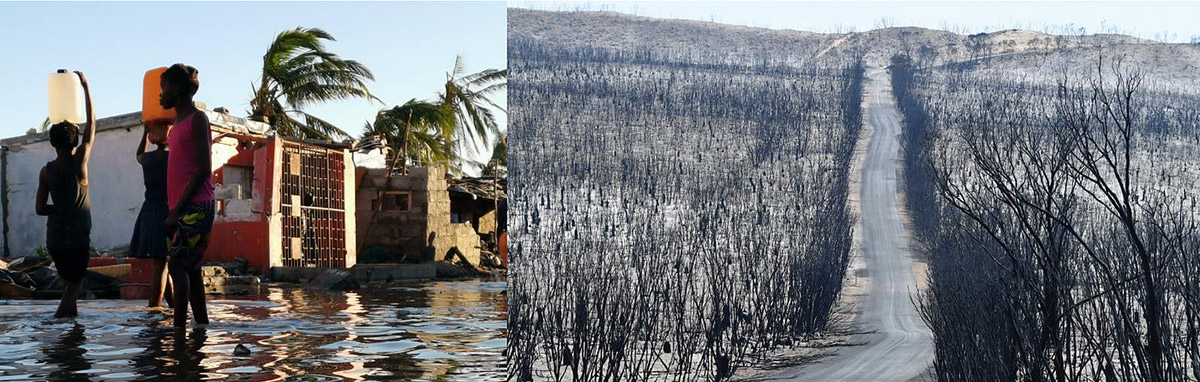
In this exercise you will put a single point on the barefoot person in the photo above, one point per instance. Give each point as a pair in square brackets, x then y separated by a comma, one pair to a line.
[149, 231]
[69, 222]
[189, 191]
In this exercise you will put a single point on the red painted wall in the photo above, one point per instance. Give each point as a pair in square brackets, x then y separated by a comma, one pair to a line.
[241, 237]
[231, 240]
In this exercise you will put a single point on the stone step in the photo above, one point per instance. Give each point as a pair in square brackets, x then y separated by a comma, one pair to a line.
[363, 273]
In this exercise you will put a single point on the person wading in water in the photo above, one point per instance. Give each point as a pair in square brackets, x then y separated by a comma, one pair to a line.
[69, 224]
[189, 191]
[149, 231]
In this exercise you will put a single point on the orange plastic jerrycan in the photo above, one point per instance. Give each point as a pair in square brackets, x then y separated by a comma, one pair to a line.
[151, 110]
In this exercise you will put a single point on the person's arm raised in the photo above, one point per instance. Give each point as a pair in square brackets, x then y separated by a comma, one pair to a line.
[84, 152]
[142, 145]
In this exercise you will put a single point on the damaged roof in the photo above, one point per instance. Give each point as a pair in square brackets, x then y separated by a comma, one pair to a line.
[479, 188]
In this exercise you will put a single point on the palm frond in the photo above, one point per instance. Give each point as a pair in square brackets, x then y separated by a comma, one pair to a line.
[500, 151]
[467, 95]
[492, 89]
[460, 66]
[485, 77]
[297, 72]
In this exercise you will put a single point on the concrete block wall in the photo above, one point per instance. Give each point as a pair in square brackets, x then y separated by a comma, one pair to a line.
[407, 232]
[439, 213]
[464, 237]
[487, 223]
[403, 232]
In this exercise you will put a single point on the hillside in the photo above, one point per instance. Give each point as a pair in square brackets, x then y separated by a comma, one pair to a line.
[1015, 52]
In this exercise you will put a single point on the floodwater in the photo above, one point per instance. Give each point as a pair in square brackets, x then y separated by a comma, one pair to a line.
[443, 331]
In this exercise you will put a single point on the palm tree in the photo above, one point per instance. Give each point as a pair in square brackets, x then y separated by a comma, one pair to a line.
[467, 95]
[298, 71]
[417, 131]
[498, 164]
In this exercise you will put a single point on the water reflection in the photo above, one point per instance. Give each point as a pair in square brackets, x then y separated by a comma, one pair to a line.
[66, 355]
[151, 348]
[432, 331]
[185, 357]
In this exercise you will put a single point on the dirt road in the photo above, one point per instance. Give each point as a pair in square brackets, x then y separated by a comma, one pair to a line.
[899, 346]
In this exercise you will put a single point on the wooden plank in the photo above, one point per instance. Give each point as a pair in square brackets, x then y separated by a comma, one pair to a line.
[116, 270]
[297, 253]
[294, 163]
[15, 291]
[295, 204]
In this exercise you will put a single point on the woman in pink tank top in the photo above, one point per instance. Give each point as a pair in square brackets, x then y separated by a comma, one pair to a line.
[189, 191]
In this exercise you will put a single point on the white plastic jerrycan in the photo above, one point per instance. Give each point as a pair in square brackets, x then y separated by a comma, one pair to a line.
[66, 96]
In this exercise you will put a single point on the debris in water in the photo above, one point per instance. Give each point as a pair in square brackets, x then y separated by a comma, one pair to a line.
[241, 351]
[335, 280]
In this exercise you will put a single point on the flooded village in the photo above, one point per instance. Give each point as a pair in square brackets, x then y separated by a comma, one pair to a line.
[287, 210]
[342, 219]
[299, 223]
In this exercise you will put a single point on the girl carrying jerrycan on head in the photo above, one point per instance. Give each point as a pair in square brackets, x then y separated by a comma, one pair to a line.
[189, 191]
[149, 231]
[65, 181]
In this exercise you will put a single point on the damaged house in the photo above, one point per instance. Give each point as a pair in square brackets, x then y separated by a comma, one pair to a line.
[423, 216]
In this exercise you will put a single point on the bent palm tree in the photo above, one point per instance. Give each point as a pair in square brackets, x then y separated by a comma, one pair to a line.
[417, 131]
[467, 95]
[298, 71]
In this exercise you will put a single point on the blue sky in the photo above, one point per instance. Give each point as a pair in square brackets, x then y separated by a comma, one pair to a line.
[409, 47]
[1144, 19]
